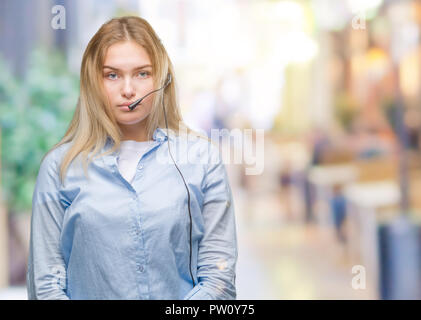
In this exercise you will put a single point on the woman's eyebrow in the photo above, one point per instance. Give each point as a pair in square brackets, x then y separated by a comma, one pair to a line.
[136, 68]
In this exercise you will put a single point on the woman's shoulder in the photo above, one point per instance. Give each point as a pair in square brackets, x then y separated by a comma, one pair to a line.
[201, 146]
[55, 154]
[48, 173]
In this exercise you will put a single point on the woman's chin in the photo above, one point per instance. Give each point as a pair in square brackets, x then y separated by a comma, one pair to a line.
[133, 120]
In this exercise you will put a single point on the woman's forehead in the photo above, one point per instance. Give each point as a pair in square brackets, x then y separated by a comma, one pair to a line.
[127, 55]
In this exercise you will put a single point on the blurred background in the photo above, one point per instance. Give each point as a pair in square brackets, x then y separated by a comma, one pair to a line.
[334, 86]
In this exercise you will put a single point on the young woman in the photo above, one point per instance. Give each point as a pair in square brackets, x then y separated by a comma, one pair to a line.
[151, 214]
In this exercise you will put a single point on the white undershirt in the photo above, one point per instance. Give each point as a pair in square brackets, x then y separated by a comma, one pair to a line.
[130, 153]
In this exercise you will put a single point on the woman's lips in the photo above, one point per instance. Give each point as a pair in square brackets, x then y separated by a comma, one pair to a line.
[125, 106]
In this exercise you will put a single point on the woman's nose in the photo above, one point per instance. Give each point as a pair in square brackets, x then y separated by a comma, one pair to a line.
[128, 90]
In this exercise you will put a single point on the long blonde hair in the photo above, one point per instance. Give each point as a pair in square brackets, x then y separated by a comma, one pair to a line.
[93, 121]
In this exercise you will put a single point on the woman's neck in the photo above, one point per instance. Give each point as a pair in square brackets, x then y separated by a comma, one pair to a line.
[134, 133]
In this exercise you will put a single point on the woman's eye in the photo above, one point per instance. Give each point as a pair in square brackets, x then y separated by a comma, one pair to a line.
[112, 76]
[144, 74]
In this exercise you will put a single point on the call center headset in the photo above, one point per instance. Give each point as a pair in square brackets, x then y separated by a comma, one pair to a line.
[134, 105]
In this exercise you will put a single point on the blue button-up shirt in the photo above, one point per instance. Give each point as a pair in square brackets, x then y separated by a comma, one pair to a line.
[104, 238]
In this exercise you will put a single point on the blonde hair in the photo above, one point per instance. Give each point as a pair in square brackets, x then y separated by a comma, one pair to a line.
[93, 121]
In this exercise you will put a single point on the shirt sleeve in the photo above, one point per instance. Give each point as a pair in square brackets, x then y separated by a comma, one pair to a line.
[217, 255]
[46, 272]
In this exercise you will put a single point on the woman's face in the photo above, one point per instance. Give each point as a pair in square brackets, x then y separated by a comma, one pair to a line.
[127, 76]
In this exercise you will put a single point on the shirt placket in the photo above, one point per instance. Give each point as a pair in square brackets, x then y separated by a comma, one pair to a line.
[140, 255]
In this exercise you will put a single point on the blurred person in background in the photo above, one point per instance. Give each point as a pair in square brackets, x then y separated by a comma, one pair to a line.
[338, 204]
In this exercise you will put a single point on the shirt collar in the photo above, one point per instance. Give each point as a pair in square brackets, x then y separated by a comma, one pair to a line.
[159, 135]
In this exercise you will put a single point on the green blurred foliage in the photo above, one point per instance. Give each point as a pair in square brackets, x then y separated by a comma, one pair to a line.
[34, 115]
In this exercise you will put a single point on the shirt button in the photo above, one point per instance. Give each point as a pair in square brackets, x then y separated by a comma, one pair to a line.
[141, 268]
[140, 167]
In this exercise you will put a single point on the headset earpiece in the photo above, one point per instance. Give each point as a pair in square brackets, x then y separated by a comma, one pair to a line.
[168, 80]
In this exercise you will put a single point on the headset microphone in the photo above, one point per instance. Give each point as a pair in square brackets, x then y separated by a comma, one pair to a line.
[135, 104]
